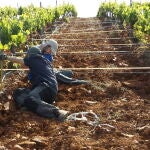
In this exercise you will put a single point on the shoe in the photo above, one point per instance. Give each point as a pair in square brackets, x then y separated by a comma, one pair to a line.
[62, 115]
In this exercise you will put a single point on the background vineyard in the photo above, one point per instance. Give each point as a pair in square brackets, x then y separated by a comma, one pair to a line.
[136, 16]
[17, 24]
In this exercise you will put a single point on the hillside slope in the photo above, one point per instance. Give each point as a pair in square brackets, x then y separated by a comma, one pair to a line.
[120, 98]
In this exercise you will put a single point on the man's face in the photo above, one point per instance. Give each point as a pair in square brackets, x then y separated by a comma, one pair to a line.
[47, 50]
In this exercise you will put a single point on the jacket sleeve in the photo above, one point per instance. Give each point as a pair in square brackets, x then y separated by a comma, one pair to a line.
[16, 59]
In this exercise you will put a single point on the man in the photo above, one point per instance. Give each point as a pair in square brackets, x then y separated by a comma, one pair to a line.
[63, 76]
[44, 89]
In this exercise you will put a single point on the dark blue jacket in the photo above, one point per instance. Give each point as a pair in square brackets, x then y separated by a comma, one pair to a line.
[42, 71]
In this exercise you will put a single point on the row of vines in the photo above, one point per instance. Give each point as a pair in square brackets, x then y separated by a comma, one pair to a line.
[17, 24]
[137, 16]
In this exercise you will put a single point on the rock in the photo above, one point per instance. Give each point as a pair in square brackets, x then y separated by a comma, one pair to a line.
[74, 146]
[3, 148]
[28, 144]
[71, 129]
[144, 131]
[7, 106]
[133, 84]
[91, 102]
[18, 136]
[69, 89]
[41, 141]
[128, 135]
[18, 147]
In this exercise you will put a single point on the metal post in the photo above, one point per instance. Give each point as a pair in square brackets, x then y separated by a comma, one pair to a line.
[130, 2]
[56, 3]
[1, 84]
[40, 4]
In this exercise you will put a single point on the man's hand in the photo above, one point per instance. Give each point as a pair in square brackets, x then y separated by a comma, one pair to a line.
[3, 57]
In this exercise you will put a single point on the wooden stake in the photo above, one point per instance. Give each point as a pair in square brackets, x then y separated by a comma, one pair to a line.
[1, 83]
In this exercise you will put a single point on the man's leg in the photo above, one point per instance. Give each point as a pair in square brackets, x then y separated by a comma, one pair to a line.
[67, 73]
[64, 79]
[34, 103]
[19, 95]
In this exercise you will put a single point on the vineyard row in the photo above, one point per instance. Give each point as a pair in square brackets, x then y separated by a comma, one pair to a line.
[136, 16]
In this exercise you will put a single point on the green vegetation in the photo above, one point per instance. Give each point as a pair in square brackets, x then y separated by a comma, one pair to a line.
[17, 24]
[136, 16]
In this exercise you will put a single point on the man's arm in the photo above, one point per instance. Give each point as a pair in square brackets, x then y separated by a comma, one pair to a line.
[16, 60]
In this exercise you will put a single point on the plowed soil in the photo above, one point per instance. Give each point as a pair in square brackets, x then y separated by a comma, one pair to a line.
[120, 98]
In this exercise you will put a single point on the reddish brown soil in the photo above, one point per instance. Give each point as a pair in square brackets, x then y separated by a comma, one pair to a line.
[121, 100]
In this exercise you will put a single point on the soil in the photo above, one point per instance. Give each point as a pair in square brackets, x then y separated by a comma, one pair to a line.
[119, 98]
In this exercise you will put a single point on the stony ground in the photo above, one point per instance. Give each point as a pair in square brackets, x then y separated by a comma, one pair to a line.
[120, 98]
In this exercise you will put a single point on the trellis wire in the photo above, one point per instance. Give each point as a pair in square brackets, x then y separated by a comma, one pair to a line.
[11, 71]
[89, 29]
[117, 68]
[113, 68]
[97, 21]
[73, 39]
[91, 32]
[98, 29]
[88, 23]
[6, 74]
[99, 52]
[92, 52]
[1, 78]
[107, 26]
[86, 69]
[89, 39]
[132, 72]
[129, 44]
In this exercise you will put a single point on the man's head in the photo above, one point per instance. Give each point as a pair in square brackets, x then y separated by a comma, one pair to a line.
[49, 45]
[33, 51]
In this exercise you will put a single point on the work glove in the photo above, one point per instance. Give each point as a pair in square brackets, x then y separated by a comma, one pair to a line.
[3, 56]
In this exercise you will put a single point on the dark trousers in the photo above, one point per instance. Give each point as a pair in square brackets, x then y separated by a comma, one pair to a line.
[38, 100]
[61, 78]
